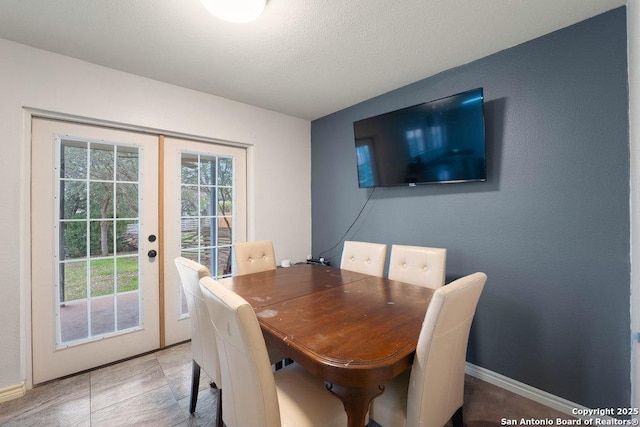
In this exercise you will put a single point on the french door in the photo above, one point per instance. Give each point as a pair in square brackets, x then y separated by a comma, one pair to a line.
[110, 211]
[204, 189]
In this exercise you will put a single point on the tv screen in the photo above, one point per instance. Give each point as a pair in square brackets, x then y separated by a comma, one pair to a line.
[440, 141]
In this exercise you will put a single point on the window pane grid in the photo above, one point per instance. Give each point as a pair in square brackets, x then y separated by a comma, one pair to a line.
[206, 221]
[98, 260]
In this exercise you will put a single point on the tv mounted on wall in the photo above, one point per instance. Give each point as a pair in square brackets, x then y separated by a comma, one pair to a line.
[440, 141]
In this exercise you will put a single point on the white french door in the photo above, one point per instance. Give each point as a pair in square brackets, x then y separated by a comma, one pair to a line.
[204, 213]
[111, 209]
[94, 273]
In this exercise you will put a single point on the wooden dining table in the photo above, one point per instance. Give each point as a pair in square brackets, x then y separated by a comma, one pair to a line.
[354, 331]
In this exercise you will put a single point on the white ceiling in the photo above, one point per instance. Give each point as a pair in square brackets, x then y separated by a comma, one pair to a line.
[305, 58]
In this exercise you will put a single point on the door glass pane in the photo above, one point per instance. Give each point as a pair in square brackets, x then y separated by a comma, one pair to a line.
[189, 169]
[102, 315]
[225, 172]
[128, 312]
[207, 201]
[73, 239]
[98, 247]
[189, 200]
[127, 200]
[102, 277]
[224, 231]
[74, 276]
[73, 199]
[73, 160]
[206, 213]
[127, 164]
[73, 319]
[225, 201]
[101, 199]
[207, 232]
[101, 238]
[207, 170]
[127, 237]
[101, 161]
[127, 274]
[224, 261]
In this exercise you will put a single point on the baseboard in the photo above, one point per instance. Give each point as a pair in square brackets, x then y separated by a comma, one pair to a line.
[12, 392]
[524, 390]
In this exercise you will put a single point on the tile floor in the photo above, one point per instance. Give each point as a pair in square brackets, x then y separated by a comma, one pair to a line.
[149, 390]
[154, 389]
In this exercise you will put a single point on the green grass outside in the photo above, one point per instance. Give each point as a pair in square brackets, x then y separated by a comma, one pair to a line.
[102, 277]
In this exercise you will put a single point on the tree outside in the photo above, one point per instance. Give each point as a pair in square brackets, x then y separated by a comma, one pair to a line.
[98, 218]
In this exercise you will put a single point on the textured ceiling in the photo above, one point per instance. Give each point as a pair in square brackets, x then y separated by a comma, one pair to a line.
[306, 58]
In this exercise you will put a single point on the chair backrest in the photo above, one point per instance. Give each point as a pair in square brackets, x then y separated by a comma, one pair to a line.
[250, 396]
[418, 265]
[364, 257]
[203, 343]
[436, 388]
[254, 257]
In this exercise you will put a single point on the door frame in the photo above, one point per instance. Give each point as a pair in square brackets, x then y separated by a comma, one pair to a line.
[28, 114]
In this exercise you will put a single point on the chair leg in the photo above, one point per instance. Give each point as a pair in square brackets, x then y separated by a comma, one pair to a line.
[219, 422]
[456, 420]
[278, 365]
[195, 383]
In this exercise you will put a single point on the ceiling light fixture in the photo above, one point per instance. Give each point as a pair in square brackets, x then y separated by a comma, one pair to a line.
[236, 11]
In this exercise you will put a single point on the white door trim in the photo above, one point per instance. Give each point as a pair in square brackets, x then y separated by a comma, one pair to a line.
[28, 114]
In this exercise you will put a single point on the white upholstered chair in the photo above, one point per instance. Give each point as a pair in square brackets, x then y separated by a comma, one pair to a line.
[203, 344]
[254, 257]
[432, 391]
[364, 257]
[253, 394]
[418, 265]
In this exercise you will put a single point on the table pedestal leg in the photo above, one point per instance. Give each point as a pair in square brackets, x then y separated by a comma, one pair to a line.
[356, 401]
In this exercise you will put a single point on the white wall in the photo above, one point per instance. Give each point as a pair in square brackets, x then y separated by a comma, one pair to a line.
[30, 78]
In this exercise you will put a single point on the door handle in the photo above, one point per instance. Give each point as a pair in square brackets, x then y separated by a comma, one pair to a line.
[152, 253]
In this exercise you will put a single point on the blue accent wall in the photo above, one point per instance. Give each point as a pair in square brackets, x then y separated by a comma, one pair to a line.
[550, 227]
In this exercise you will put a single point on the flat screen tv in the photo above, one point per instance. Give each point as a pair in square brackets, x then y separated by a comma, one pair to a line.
[440, 141]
